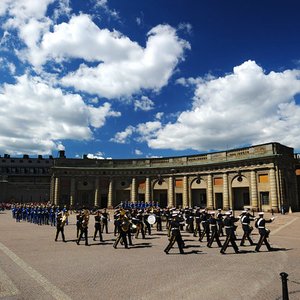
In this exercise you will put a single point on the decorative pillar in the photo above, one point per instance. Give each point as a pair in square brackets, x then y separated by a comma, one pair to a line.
[171, 192]
[273, 189]
[97, 193]
[147, 190]
[254, 196]
[133, 193]
[110, 194]
[72, 192]
[210, 204]
[185, 192]
[56, 190]
[225, 192]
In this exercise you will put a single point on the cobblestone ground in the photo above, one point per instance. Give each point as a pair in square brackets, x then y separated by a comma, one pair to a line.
[34, 266]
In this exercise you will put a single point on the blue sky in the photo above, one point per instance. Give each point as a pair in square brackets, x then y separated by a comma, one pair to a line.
[134, 79]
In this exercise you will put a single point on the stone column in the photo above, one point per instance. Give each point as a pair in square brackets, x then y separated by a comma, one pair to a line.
[133, 194]
[225, 192]
[282, 192]
[72, 192]
[185, 192]
[210, 204]
[56, 190]
[97, 193]
[110, 194]
[171, 191]
[273, 190]
[147, 190]
[254, 196]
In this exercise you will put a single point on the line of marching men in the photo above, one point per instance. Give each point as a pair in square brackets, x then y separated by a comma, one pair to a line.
[212, 225]
[207, 225]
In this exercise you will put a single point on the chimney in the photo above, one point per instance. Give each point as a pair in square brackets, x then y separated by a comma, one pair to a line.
[61, 154]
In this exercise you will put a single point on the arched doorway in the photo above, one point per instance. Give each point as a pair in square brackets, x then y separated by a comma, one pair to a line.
[198, 191]
[240, 192]
[160, 193]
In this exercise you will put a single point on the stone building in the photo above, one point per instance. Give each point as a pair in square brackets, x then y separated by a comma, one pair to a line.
[263, 177]
[25, 179]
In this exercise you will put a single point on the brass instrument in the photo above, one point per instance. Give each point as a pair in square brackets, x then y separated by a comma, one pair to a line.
[86, 218]
[125, 224]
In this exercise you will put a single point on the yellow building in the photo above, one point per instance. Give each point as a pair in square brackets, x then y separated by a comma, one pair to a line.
[263, 177]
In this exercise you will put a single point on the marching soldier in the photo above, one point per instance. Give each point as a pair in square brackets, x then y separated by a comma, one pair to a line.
[105, 219]
[214, 230]
[84, 228]
[60, 223]
[220, 222]
[175, 235]
[198, 222]
[245, 220]
[98, 226]
[264, 233]
[230, 236]
[205, 225]
[157, 212]
[123, 226]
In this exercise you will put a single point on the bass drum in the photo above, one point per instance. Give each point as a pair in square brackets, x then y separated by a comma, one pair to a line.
[133, 228]
[151, 219]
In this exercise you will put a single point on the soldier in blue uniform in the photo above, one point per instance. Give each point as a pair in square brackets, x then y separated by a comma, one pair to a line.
[230, 236]
[264, 233]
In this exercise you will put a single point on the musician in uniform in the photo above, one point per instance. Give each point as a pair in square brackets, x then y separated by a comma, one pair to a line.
[175, 234]
[230, 236]
[98, 226]
[147, 225]
[140, 224]
[263, 231]
[214, 230]
[205, 225]
[84, 228]
[220, 222]
[123, 226]
[198, 222]
[105, 219]
[245, 220]
[78, 223]
[157, 212]
[60, 223]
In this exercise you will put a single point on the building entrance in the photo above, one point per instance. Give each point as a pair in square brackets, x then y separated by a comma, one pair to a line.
[241, 198]
[161, 197]
[199, 198]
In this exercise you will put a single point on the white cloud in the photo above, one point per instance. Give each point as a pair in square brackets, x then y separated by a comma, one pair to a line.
[187, 27]
[245, 107]
[125, 68]
[36, 117]
[123, 136]
[98, 155]
[159, 115]
[138, 152]
[144, 104]
[104, 5]
[147, 130]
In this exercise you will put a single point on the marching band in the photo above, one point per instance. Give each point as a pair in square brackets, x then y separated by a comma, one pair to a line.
[132, 219]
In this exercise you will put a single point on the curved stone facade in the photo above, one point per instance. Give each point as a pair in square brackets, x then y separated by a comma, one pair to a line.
[260, 177]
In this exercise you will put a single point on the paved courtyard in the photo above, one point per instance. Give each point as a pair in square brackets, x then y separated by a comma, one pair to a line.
[34, 266]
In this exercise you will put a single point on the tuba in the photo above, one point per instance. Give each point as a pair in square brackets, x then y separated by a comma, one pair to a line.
[125, 224]
[85, 219]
